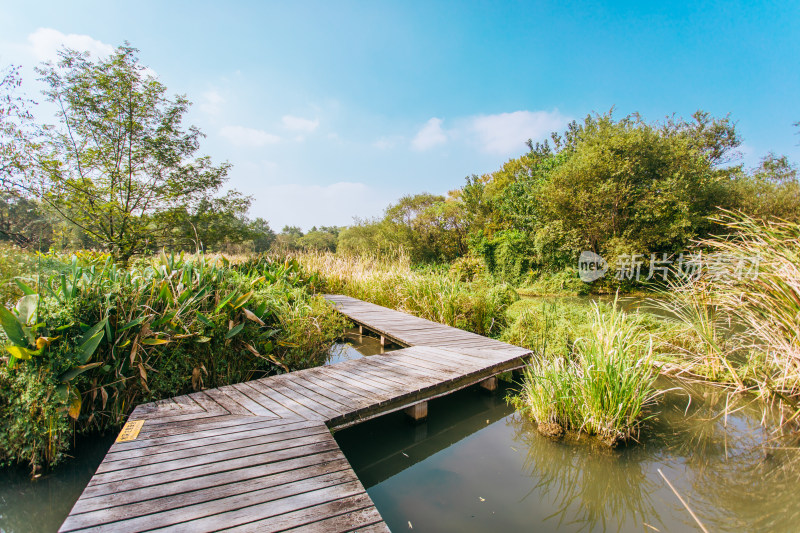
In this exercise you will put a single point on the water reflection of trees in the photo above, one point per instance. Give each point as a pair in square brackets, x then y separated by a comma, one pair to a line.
[736, 474]
[590, 486]
[743, 471]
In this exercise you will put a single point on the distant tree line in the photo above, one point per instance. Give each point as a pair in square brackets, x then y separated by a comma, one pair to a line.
[606, 185]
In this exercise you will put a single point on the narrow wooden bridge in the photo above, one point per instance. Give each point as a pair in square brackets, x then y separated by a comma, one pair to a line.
[259, 456]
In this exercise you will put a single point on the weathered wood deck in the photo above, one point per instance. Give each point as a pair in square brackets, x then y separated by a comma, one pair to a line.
[259, 456]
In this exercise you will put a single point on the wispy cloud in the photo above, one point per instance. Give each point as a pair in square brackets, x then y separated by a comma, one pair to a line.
[299, 124]
[46, 42]
[430, 135]
[248, 137]
[505, 133]
[385, 143]
[211, 102]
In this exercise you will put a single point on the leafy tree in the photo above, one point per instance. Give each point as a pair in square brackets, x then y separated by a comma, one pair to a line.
[211, 222]
[261, 235]
[16, 133]
[288, 237]
[120, 158]
[321, 239]
[771, 190]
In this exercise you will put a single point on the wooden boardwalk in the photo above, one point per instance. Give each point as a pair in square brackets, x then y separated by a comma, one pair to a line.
[259, 456]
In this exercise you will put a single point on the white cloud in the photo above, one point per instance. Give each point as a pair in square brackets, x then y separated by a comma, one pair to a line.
[46, 42]
[318, 205]
[299, 124]
[506, 133]
[211, 102]
[430, 135]
[248, 137]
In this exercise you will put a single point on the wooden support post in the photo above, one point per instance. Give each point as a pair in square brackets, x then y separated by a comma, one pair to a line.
[490, 384]
[418, 412]
[360, 329]
[383, 340]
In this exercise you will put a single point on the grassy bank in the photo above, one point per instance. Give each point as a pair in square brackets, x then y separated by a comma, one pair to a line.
[439, 295]
[85, 345]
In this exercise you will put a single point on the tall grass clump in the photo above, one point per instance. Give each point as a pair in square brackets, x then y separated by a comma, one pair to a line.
[765, 298]
[84, 346]
[436, 295]
[743, 316]
[601, 387]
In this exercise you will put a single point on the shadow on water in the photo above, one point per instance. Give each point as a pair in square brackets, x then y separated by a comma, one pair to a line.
[42, 505]
[478, 466]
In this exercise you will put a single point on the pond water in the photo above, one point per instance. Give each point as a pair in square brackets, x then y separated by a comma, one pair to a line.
[476, 465]
[354, 345]
[42, 505]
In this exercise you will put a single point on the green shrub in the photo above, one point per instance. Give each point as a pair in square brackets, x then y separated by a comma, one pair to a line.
[105, 339]
[34, 425]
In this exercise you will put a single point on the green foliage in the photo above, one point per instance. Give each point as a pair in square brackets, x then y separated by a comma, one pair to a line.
[110, 338]
[121, 167]
[601, 385]
[740, 326]
[428, 293]
[34, 425]
[322, 239]
[17, 148]
[426, 227]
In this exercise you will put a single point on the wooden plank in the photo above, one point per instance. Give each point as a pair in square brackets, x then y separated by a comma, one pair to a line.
[227, 402]
[366, 519]
[352, 509]
[211, 445]
[252, 389]
[332, 408]
[195, 457]
[329, 389]
[282, 512]
[341, 374]
[268, 393]
[347, 383]
[326, 460]
[241, 396]
[150, 430]
[197, 516]
[202, 438]
[259, 455]
[98, 489]
[105, 515]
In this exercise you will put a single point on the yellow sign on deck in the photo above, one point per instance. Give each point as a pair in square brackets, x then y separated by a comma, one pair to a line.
[130, 430]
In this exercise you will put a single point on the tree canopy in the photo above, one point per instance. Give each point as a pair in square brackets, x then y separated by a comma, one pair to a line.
[120, 163]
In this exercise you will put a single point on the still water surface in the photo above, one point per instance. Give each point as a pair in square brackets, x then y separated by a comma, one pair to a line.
[478, 466]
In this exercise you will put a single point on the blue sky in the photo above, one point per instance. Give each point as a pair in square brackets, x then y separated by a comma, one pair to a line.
[331, 110]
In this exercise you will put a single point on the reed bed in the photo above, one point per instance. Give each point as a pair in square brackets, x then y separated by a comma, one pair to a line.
[742, 320]
[478, 306]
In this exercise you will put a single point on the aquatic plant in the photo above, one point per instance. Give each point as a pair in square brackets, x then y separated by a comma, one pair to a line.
[601, 387]
[741, 320]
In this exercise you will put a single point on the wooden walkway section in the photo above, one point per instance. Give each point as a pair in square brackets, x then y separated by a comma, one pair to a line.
[259, 456]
